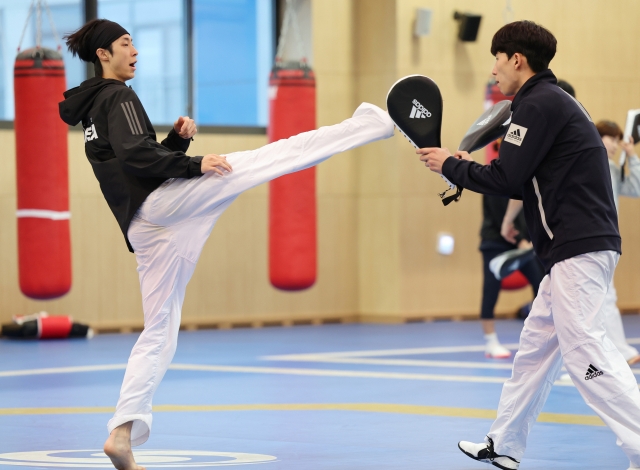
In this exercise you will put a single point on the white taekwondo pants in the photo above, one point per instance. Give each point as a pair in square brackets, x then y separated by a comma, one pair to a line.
[567, 323]
[614, 327]
[172, 225]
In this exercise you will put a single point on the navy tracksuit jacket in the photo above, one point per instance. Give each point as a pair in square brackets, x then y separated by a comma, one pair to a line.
[552, 158]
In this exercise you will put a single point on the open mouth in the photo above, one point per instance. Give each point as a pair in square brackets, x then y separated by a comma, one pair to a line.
[133, 65]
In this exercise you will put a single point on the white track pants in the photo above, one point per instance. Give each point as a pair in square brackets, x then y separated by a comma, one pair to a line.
[171, 227]
[567, 323]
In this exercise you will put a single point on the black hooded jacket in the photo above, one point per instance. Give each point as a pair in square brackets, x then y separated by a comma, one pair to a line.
[552, 158]
[121, 145]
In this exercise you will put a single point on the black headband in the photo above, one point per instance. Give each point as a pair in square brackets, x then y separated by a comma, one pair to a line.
[103, 36]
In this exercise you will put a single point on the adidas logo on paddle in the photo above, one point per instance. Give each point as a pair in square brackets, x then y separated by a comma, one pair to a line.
[485, 121]
[592, 372]
[418, 111]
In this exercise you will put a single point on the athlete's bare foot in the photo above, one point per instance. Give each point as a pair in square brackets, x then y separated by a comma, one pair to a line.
[118, 448]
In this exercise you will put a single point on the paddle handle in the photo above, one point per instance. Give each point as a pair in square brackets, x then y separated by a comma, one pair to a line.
[451, 185]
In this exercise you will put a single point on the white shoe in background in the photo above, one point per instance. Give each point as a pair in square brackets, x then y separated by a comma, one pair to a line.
[496, 351]
[565, 378]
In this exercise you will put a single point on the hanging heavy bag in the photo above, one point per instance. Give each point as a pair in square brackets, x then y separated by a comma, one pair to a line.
[44, 244]
[292, 198]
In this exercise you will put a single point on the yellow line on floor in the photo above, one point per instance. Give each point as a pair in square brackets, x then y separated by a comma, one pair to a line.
[558, 418]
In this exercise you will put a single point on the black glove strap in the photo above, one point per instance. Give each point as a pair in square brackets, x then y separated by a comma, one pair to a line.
[454, 197]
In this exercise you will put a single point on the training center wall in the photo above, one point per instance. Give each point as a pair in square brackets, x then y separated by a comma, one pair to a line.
[401, 275]
[378, 212]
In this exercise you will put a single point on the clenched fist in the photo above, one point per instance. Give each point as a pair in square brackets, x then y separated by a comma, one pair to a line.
[185, 127]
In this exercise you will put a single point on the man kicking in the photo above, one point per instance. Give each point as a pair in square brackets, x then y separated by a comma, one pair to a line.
[554, 160]
[167, 203]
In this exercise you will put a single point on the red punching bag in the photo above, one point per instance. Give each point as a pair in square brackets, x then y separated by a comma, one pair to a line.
[292, 198]
[44, 244]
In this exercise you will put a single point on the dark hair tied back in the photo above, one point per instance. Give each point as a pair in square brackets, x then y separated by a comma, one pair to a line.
[96, 34]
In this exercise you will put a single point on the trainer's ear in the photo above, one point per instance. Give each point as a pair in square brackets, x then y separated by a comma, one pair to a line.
[520, 60]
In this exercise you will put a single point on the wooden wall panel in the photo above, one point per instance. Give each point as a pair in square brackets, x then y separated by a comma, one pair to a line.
[379, 215]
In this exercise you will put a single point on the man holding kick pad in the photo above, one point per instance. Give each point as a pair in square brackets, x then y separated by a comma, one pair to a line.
[554, 160]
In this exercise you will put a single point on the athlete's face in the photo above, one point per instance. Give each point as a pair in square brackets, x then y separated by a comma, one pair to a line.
[121, 65]
[611, 144]
[506, 74]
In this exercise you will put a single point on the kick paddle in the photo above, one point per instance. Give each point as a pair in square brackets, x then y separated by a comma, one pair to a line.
[414, 104]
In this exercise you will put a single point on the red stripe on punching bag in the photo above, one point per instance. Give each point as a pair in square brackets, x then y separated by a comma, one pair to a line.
[44, 242]
[292, 198]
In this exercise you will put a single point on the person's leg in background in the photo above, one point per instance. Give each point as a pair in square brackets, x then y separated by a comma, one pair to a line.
[534, 272]
[490, 292]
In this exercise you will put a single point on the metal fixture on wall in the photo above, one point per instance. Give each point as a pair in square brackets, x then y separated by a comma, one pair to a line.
[423, 22]
[468, 25]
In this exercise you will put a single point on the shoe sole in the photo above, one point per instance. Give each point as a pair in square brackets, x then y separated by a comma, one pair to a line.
[495, 464]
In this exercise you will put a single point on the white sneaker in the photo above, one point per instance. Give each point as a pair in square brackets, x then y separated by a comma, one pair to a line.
[495, 350]
[485, 453]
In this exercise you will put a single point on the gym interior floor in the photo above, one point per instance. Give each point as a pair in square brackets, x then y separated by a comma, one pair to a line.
[329, 397]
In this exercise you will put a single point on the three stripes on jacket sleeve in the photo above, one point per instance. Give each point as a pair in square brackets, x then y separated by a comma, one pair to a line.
[132, 117]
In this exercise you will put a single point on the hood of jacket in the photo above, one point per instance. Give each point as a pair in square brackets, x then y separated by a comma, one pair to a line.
[79, 100]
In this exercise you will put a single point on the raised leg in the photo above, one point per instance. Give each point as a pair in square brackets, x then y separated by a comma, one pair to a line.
[197, 197]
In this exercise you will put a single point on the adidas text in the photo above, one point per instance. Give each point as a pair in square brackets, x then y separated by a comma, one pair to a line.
[90, 133]
[515, 134]
[418, 111]
[592, 372]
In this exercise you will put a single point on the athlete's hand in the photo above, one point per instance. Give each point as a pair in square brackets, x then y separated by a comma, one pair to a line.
[215, 163]
[185, 127]
[434, 157]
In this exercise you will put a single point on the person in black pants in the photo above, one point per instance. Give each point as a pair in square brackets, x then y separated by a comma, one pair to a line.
[492, 245]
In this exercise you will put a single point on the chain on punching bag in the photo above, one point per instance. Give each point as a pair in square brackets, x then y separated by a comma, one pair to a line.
[44, 244]
[292, 198]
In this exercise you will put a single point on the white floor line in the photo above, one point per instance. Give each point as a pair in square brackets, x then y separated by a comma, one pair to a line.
[396, 352]
[505, 365]
[338, 373]
[61, 370]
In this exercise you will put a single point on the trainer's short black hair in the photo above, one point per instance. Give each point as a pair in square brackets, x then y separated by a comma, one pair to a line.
[531, 40]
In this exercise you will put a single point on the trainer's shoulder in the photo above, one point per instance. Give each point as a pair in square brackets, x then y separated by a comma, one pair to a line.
[556, 104]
